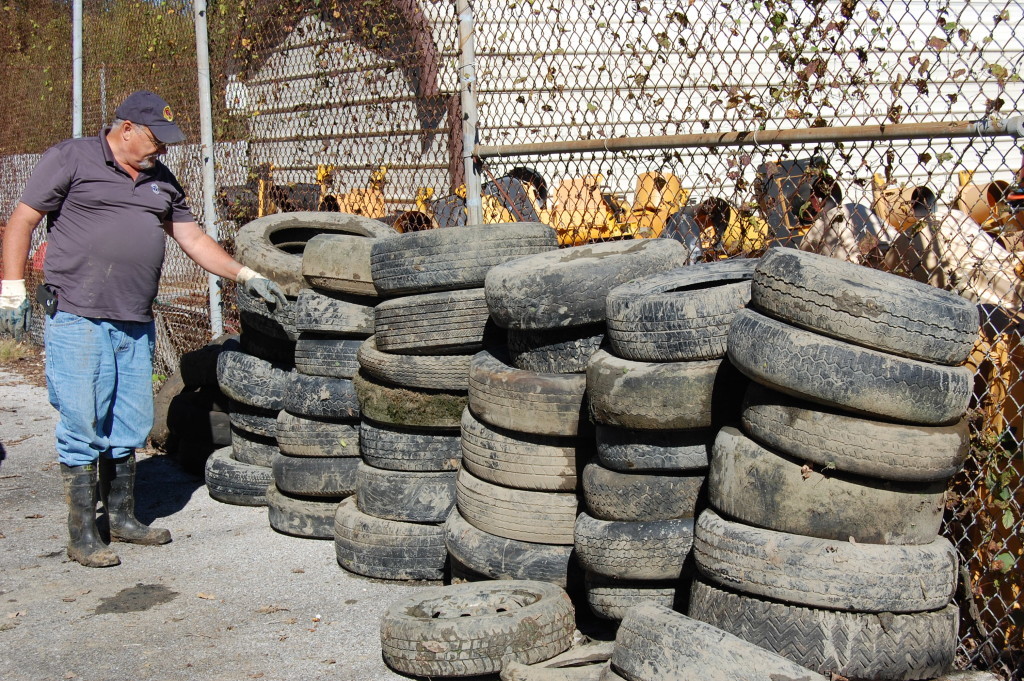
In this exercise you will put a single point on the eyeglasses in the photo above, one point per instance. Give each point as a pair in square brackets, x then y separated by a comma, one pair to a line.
[149, 135]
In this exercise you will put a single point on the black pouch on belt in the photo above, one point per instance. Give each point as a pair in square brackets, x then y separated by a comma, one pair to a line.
[47, 297]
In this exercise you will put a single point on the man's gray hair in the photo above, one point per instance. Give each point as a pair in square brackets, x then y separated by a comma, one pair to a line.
[117, 123]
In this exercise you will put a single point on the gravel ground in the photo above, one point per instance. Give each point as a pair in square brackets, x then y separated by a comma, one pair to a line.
[229, 598]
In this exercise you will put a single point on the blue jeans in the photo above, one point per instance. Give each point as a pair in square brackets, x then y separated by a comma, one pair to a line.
[100, 378]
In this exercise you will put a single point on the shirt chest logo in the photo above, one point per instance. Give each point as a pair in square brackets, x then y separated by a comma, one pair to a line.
[155, 187]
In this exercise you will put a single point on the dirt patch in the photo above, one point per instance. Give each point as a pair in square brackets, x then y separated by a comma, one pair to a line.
[29, 367]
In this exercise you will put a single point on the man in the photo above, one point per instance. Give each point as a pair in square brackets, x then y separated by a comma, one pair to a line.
[109, 203]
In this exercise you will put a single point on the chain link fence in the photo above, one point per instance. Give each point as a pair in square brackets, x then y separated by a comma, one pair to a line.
[356, 106]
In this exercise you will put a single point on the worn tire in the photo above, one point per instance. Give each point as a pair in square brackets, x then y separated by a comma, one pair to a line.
[321, 397]
[402, 449]
[339, 262]
[525, 401]
[611, 598]
[444, 323]
[430, 372]
[613, 495]
[757, 486]
[234, 482]
[680, 315]
[474, 628]
[253, 449]
[453, 259]
[255, 420]
[278, 351]
[322, 312]
[251, 380]
[319, 354]
[864, 306]
[306, 436]
[638, 451]
[272, 245]
[408, 407]
[838, 374]
[825, 573]
[269, 319]
[520, 460]
[301, 516]
[497, 557]
[524, 515]
[827, 437]
[407, 496]
[883, 646]
[316, 476]
[661, 395]
[386, 549]
[648, 648]
[554, 351]
[645, 549]
[568, 287]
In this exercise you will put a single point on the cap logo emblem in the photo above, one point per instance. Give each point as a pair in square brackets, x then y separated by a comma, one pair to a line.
[168, 114]
[155, 187]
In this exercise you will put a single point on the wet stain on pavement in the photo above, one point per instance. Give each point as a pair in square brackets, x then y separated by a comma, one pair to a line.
[136, 599]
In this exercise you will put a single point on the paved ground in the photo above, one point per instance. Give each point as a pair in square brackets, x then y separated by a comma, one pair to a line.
[229, 598]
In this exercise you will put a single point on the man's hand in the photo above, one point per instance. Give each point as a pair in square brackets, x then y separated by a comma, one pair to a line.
[255, 284]
[15, 310]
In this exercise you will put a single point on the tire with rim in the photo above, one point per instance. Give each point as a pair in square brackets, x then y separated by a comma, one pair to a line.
[323, 312]
[402, 449]
[679, 315]
[753, 484]
[321, 397]
[646, 549]
[629, 450]
[555, 351]
[386, 549]
[614, 495]
[838, 374]
[851, 644]
[871, 447]
[526, 401]
[864, 306]
[660, 395]
[311, 517]
[447, 322]
[251, 380]
[825, 573]
[474, 628]
[316, 476]
[273, 245]
[568, 287]
[322, 354]
[524, 515]
[647, 648]
[520, 460]
[234, 482]
[339, 262]
[453, 259]
[407, 496]
[497, 557]
[307, 436]
[431, 372]
[409, 407]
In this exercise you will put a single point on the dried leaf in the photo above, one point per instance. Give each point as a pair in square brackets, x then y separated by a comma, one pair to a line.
[34, 516]
[299, 571]
[268, 609]
[805, 471]
[205, 596]
[937, 44]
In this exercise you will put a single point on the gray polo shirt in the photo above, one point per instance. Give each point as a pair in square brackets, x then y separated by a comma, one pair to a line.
[105, 230]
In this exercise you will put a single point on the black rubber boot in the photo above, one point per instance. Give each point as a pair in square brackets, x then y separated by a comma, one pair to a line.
[117, 487]
[84, 543]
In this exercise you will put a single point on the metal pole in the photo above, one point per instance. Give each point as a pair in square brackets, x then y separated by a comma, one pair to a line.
[467, 93]
[76, 68]
[103, 94]
[990, 127]
[206, 137]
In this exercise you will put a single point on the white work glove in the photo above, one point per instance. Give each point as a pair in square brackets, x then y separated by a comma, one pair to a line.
[255, 284]
[15, 310]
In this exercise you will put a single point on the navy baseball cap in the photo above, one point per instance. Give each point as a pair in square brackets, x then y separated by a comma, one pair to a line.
[149, 109]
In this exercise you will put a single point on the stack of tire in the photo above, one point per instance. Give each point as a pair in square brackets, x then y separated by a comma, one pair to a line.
[259, 374]
[526, 429]
[412, 386]
[657, 392]
[822, 542]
